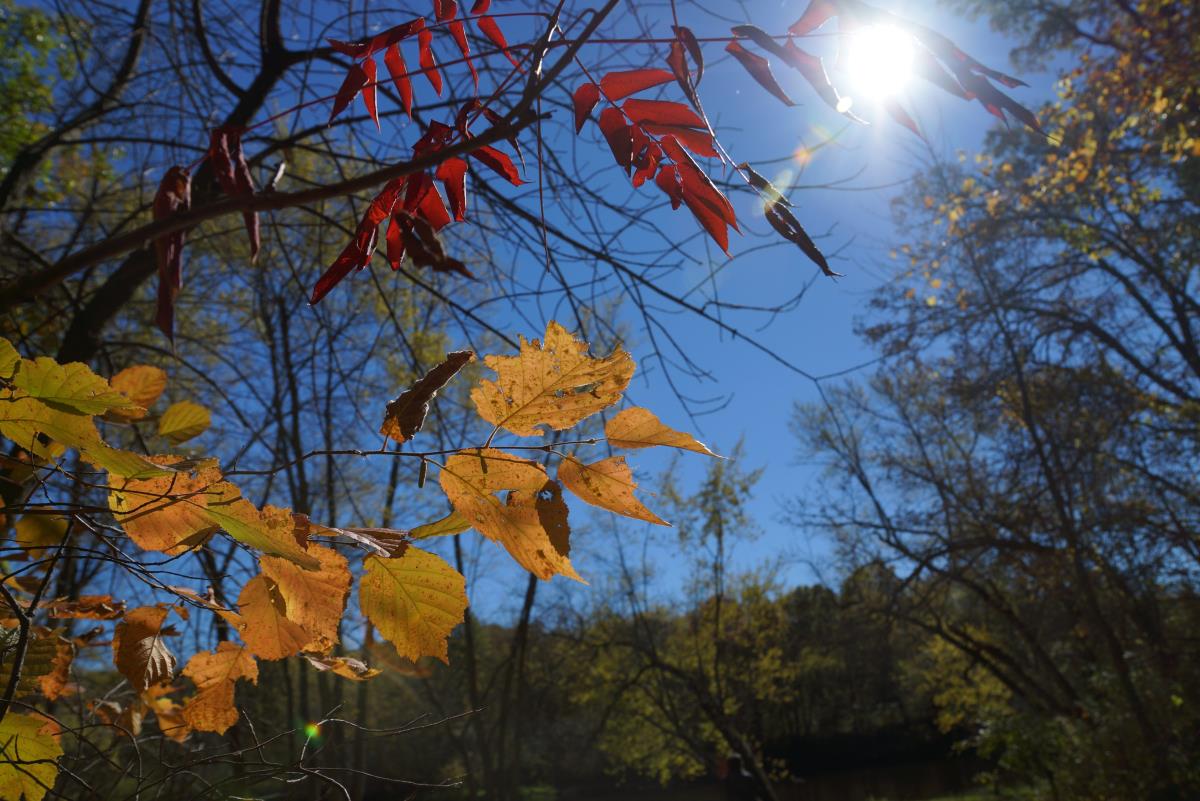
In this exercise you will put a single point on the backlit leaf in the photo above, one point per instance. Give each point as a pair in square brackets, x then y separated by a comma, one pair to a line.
[415, 600]
[68, 387]
[531, 523]
[585, 99]
[405, 415]
[344, 666]
[314, 599]
[29, 750]
[183, 421]
[215, 675]
[554, 384]
[268, 631]
[608, 484]
[639, 428]
[618, 85]
[760, 70]
[453, 523]
[143, 385]
[139, 651]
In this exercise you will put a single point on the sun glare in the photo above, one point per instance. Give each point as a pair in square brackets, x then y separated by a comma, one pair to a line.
[879, 60]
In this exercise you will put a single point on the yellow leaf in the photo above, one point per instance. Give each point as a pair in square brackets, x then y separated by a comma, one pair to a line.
[640, 428]
[40, 531]
[315, 599]
[531, 524]
[344, 666]
[415, 600]
[138, 648]
[271, 531]
[142, 384]
[268, 632]
[9, 359]
[608, 484]
[453, 523]
[183, 421]
[29, 749]
[555, 384]
[215, 674]
[71, 388]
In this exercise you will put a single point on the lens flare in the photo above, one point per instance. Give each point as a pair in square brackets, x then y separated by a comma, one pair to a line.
[312, 731]
[879, 60]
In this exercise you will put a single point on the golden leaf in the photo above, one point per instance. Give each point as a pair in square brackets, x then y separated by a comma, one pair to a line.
[315, 599]
[531, 525]
[30, 749]
[267, 630]
[344, 666]
[608, 484]
[215, 673]
[40, 531]
[71, 388]
[415, 600]
[555, 384]
[138, 648]
[143, 385]
[183, 421]
[640, 428]
[453, 523]
[405, 415]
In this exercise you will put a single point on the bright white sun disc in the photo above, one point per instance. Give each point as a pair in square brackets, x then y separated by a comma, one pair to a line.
[879, 59]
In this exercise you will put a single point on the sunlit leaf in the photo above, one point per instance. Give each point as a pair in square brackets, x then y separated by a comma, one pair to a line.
[139, 650]
[639, 428]
[415, 600]
[183, 421]
[268, 631]
[215, 675]
[29, 750]
[607, 484]
[314, 599]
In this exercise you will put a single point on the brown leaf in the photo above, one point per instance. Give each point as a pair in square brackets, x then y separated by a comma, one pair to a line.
[215, 674]
[406, 414]
[139, 652]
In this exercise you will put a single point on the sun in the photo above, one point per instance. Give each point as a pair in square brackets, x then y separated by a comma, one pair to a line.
[879, 61]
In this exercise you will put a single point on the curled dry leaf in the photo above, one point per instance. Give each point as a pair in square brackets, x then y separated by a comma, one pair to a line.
[139, 651]
[174, 197]
[344, 666]
[405, 414]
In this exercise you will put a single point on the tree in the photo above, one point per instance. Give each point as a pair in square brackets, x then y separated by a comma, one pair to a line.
[144, 172]
[1024, 457]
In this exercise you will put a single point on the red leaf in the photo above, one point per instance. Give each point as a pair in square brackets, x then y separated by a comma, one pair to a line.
[646, 162]
[459, 33]
[444, 10]
[363, 48]
[816, 15]
[174, 196]
[429, 205]
[428, 62]
[689, 41]
[710, 207]
[928, 67]
[499, 162]
[368, 91]
[662, 112]
[492, 31]
[619, 135]
[618, 85]
[949, 52]
[233, 175]
[699, 142]
[396, 67]
[399, 225]
[481, 6]
[586, 97]
[357, 253]
[813, 70]
[783, 221]
[897, 113]
[495, 119]
[668, 181]
[759, 69]
[677, 61]
[355, 80]
[453, 175]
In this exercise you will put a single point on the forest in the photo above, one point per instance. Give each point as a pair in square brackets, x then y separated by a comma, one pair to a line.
[582, 400]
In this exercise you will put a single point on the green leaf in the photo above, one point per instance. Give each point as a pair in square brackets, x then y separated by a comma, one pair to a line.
[29, 749]
[70, 387]
[9, 359]
[453, 523]
[183, 421]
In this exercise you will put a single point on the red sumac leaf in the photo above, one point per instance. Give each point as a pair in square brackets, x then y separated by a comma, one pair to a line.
[816, 15]
[782, 220]
[174, 196]
[618, 85]
[759, 69]
[444, 10]
[513, 141]
[662, 112]
[618, 134]
[668, 181]
[459, 33]
[492, 31]
[428, 203]
[897, 113]
[760, 38]
[353, 83]
[453, 175]
[711, 208]
[677, 61]
[586, 97]
[364, 48]
[357, 253]
[813, 70]
[233, 175]
[699, 142]
[368, 91]
[398, 226]
[688, 40]
[646, 162]
[498, 161]
[428, 62]
[929, 68]
[481, 6]
[394, 61]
